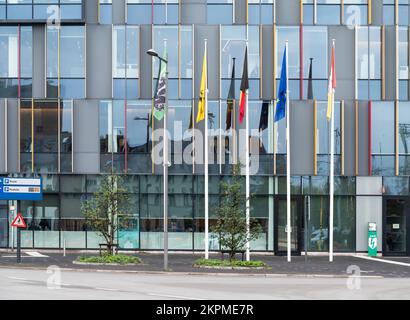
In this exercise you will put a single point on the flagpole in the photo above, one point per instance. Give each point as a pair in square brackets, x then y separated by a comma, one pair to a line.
[206, 169]
[247, 157]
[332, 171]
[288, 172]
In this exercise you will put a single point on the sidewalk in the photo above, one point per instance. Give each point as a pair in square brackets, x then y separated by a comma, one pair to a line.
[183, 263]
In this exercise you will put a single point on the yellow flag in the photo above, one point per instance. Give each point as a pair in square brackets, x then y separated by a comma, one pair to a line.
[202, 96]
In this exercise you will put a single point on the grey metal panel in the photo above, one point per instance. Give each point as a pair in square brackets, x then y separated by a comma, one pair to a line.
[363, 138]
[13, 136]
[2, 136]
[99, 62]
[146, 62]
[118, 11]
[91, 11]
[240, 12]
[350, 140]
[86, 147]
[345, 59]
[212, 34]
[368, 209]
[390, 63]
[39, 61]
[288, 12]
[267, 64]
[369, 186]
[193, 11]
[301, 137]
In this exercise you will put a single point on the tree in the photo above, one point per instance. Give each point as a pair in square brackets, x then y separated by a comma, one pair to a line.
[108, 210]
[231, 217]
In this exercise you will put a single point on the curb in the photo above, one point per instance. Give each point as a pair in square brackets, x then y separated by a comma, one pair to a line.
[209, 274]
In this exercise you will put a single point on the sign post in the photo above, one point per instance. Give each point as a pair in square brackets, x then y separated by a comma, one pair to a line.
[372, 239]
[19, 223]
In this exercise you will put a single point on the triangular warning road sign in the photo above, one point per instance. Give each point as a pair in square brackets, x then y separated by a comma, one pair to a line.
[19, 222]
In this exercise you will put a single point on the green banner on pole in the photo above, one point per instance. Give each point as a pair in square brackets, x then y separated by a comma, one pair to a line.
[372, 239]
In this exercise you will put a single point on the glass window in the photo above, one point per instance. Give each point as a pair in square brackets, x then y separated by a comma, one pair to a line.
[105, 11]
[41, 10]
[355, 12]
[180, 63]
[220, 12]
[404, 138]
[16, 66]
[323, 143]
[292, 35]
[315, 52]
[403, 63]
[233, 42]
[383, 129]
[66, 62]
[328, 12]
[112, 135]
[47, 144]
[368, 63]
[261, 11]
[152, 12]
[125, 62]
[308, 12]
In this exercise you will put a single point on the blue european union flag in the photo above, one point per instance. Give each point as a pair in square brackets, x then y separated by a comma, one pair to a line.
[282, 95]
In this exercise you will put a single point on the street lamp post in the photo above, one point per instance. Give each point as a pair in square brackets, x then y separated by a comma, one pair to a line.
[154, 54]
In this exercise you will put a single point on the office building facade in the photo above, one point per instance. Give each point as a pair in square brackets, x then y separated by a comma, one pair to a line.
[76, 89]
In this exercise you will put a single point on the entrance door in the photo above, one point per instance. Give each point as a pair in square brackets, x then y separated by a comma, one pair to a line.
[280, 225]
[395, 238]
[3, 226]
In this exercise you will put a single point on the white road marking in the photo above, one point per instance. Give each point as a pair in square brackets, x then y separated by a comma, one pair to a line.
[16, 278]
[36, 254]
[385, 261]
[173, 297]
[107, 289]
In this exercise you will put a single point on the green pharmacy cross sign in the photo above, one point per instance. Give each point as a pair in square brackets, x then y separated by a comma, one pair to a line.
[372, 239]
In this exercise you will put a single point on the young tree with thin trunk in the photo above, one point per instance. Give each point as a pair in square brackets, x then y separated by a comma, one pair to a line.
[108, 210]
[231, 216]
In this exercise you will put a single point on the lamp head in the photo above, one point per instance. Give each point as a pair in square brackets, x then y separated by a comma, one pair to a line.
[152, 53]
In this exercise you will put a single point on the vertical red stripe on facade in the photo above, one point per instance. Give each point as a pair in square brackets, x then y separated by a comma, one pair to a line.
[152, 12]
[301, 60]
[370, 164]
[19, 61]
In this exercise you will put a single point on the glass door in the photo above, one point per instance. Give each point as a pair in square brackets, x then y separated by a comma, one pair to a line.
[280, 226]
[395, 226]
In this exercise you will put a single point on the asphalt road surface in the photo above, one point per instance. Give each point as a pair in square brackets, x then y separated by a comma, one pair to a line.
[83, 285]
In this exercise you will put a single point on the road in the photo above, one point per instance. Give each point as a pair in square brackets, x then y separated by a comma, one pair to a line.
[38, 284]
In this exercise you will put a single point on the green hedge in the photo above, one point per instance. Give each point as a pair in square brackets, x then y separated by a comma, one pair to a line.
[107, 259]
[229, 263]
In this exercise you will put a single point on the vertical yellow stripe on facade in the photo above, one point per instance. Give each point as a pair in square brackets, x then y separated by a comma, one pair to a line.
[369, 12]
[301, 11]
